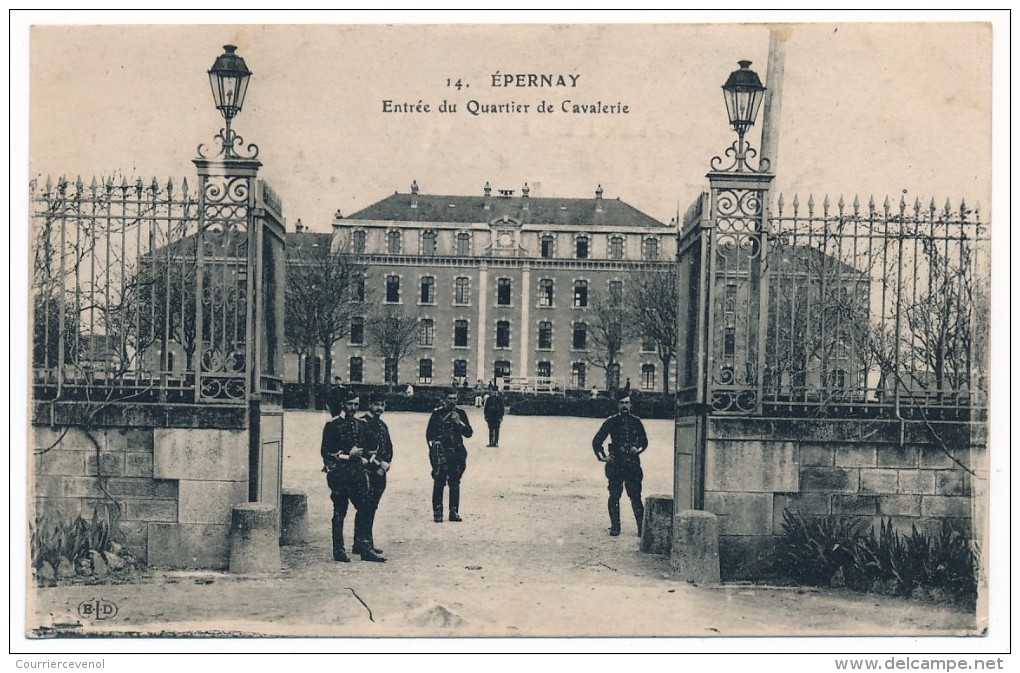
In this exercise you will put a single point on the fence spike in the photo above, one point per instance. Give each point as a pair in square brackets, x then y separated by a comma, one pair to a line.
[810, 204]
[857, 205]
[93, 185]
[62, 184]
[123, 183]
[963, 208]
[977, 211]
[886, 206]
[871, 204]
[184, 187]
[779, 204]
[841, 204]
[79, 185]
[169, 187]
[49, 184]
[154, 187]
[109, 184]
[796, 204]
[139, 186]
[825, 205]
[948, 207]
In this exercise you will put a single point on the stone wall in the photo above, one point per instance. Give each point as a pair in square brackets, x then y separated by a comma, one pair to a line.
[756, 468]
[169, 474]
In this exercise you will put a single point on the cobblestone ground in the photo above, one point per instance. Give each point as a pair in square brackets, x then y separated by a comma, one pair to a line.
[532, 558]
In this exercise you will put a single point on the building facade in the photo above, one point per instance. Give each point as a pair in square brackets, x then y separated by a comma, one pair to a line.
[502, 286]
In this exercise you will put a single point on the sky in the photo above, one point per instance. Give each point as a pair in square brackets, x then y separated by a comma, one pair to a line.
[867, 109]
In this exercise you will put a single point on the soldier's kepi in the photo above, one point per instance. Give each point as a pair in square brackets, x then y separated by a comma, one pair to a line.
[627, 442]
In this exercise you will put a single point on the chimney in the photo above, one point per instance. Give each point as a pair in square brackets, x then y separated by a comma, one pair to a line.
[525, 192]
[298, 227]
[488, 196]
[414, 193]
[598, 199]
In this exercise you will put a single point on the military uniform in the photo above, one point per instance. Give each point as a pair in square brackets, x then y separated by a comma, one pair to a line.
[448, 457]
[379, 450]
[494, 411]
[627, 438]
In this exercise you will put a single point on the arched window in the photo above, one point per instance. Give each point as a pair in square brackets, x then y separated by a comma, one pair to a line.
[460, 369]
[358, 242]
[547, 242]
[545, 335]
[651, 249]
[503, 334]
[647, 377]
[464, 244]
[426, 332]
[616, 293]
[425, 371]
[462, 291]
[545, 292]
[357, 330]
[428, 290]
[580, 293]
[503, 294]
[357, 373]
[616, 247]
[428, 243]
[393, 242]
[460, 334]
[392, 289]
[580, 340]
[581, 247]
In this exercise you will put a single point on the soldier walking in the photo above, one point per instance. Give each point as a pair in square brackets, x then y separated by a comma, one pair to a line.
[494, 411]
[343, 457]
[627, 441]
[447, 428]
[379, 451]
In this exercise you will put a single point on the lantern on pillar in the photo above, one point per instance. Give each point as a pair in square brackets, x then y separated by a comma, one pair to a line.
[228, 79]
[743, 93]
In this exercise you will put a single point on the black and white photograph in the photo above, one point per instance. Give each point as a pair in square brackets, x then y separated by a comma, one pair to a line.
[595, 334]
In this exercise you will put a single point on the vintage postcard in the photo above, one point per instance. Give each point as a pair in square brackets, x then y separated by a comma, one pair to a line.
[521, 330]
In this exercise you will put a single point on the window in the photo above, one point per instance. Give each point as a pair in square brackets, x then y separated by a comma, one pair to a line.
[544, 369]
[547, 246]
[358, 289]
[839, 378]
[577, 374]
[428, 243]
[357, 374]
[390, 370]
[501, 369]
[425, 371]
[358, 242]
[463, 244]
[503, 292]
[545, 292]
[545, 335]
[647, 377]
[616, 293]
[460, 369]
[462, 291]
[460, 333]
[426, 332]
[581, 247]
[357, 330]
[647, 344]
[428, 290]
[580, 339]
[393, 243]
[651, 249]
[580, 293]
[392, 289]
[616, 247]
[503, 334]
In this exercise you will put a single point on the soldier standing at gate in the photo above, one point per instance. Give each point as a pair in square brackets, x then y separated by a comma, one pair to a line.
[380, 455]
[627, 441]
[447, 428]
[343, 457]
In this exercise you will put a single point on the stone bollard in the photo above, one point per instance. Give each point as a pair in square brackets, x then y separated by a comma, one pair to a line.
[294, 517]
[657, 528]
[254, 540]
[695, 549]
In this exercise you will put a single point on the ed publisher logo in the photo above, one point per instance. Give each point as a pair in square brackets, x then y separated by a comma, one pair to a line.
[97, 608]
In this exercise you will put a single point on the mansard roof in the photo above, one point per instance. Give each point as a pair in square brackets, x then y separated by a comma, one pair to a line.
[541, 210]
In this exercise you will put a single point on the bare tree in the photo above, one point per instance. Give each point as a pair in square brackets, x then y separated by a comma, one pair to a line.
[392, 334]
[653, 313]
[608, 327]
[318, 297]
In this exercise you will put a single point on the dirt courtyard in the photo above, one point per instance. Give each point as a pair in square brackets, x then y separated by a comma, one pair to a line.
[531, 558]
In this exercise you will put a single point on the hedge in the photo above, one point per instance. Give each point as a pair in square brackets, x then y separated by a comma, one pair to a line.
[644, 406]
[425, 398]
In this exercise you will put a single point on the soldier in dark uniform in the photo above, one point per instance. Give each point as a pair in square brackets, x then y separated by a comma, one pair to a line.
[447, 428]
[379, 451]
[494, 412]
[343, 457]
[627, 441]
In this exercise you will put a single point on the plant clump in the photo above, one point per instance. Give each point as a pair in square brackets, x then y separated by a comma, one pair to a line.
[76, 548]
